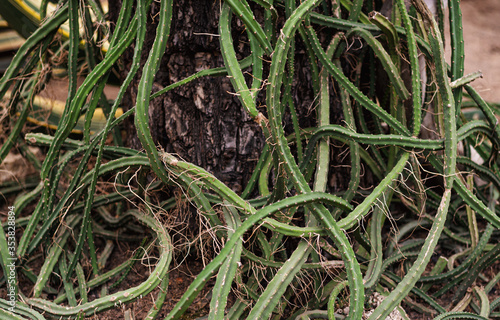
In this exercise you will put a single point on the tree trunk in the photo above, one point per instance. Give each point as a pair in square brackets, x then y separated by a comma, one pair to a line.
[203, 122]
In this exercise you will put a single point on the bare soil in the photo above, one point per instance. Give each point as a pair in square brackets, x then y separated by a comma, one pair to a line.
[481, 23]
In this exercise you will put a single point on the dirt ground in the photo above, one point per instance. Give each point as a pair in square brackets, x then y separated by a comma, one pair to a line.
[481, 21]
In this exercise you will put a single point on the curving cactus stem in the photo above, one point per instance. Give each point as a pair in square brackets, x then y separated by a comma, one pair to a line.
[346, 134]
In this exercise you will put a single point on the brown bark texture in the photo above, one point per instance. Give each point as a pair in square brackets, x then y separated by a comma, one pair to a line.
[203, 122]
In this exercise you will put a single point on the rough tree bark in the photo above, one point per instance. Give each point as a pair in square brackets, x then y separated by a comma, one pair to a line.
[203, 122]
